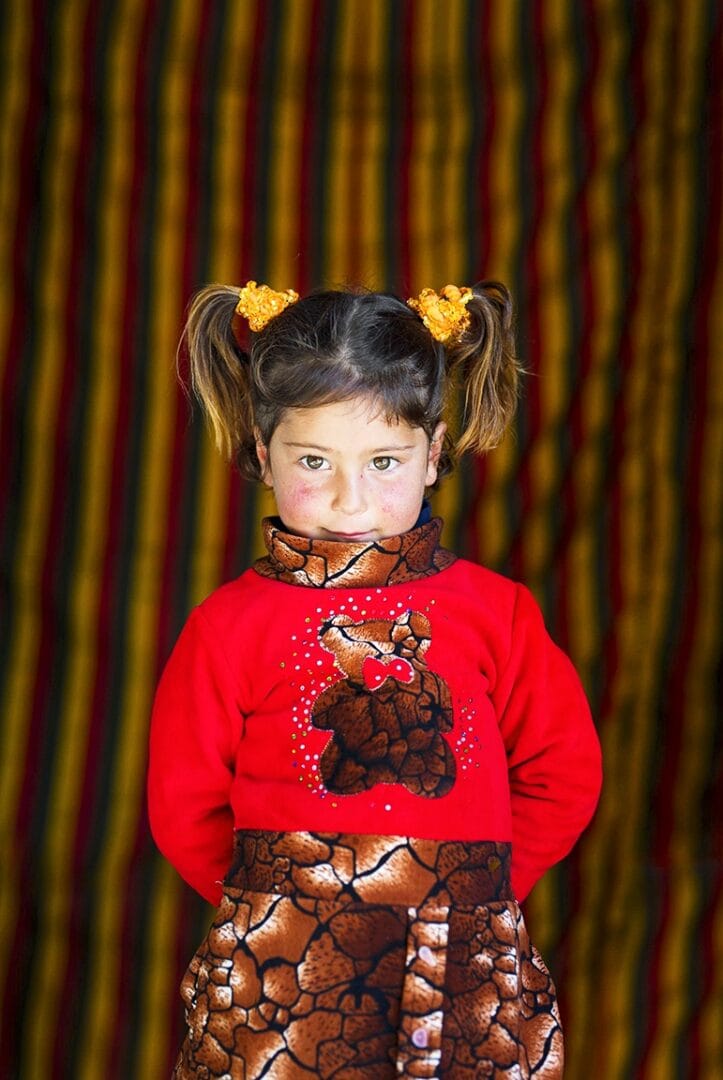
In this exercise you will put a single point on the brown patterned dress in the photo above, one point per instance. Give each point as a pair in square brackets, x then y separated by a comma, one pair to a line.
[353, 729]
[364, 958]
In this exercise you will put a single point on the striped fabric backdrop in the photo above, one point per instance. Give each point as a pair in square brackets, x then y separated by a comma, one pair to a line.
[571, 148]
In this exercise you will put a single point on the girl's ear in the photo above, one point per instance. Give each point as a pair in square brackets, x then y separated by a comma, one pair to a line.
[262, 453]
[435, 449]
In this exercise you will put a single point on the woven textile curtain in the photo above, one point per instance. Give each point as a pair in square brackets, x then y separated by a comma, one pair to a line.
[570, 148]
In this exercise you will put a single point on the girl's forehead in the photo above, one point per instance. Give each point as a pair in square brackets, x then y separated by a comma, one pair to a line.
[344, 421]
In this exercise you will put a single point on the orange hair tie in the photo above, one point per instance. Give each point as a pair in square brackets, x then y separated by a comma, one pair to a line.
[259, 304]
[445, 314]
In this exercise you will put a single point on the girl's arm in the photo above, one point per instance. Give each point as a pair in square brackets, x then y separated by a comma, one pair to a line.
[553, 751]
[195, 728]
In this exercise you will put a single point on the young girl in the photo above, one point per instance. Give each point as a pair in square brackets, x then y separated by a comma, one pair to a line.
[365, 749]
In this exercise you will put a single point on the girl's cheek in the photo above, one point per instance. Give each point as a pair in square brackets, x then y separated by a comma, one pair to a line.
[395, 497]
[299, 495]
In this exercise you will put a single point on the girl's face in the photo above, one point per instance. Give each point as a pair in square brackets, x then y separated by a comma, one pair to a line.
[343, 472]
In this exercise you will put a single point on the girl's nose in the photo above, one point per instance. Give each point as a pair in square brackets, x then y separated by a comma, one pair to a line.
[349, 497]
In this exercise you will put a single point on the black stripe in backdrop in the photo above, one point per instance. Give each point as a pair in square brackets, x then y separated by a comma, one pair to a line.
[325, 109]
[396, 77]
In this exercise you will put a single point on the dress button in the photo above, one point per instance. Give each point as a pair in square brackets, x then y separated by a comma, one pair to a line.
[426, 954]
[419, 1037]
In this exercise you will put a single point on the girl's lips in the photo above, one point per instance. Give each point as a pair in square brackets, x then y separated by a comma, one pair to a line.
[351, 536]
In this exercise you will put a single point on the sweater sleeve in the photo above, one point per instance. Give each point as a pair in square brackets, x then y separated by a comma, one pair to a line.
[553, 752]
[195, 726]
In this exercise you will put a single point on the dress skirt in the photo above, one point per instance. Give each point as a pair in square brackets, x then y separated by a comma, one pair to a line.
[359, 957]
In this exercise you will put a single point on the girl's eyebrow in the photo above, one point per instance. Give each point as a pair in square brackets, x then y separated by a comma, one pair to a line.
[308, 446]
[392, 449]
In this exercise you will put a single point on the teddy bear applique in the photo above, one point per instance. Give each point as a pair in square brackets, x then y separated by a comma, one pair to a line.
[388, 713]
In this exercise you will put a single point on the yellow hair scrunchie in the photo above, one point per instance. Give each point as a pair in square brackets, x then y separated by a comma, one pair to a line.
[259, 304]
[445, 314]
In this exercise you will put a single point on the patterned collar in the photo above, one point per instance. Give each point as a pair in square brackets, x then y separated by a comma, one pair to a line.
[331, 564]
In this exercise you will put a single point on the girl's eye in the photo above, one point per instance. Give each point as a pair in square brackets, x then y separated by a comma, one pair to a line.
[381, 464]
[312, 462]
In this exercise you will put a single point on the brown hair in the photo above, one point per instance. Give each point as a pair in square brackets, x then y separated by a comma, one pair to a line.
[334, 345]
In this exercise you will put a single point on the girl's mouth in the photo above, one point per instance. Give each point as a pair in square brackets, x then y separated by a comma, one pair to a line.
[351, 536]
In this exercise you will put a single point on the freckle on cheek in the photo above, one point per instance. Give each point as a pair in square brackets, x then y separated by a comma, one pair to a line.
[395, 510]
[395, 497]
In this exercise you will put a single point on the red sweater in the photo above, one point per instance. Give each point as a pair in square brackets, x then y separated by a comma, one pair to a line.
[378, 689]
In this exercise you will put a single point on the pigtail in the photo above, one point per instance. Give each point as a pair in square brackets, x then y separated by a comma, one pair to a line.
[483, 361]
[220, 368]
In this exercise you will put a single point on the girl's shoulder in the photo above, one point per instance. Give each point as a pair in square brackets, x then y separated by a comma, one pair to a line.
[232, 600]
[500, 598]
[485, 583]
